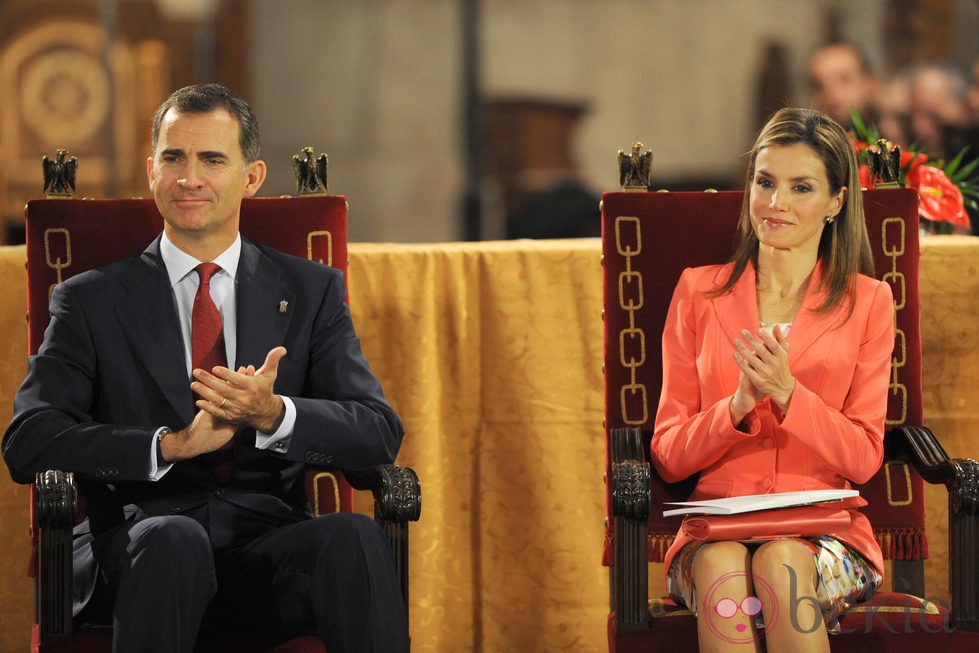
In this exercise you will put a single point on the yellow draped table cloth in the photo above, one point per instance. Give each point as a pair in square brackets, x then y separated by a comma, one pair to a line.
[491, 353]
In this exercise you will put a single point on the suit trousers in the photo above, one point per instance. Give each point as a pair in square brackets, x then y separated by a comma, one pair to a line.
[332, 575]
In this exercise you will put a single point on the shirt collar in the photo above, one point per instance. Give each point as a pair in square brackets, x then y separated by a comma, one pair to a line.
[179, 263]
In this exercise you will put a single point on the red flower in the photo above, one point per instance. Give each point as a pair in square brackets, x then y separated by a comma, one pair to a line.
[910, 162]
[941, 187]
[858, 145]
[865, 181]
[939, 199]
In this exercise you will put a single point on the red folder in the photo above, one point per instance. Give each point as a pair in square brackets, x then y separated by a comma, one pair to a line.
[801, 521]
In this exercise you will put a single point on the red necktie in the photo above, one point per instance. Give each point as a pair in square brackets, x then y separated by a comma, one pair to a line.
[206, 331]
[207, 350]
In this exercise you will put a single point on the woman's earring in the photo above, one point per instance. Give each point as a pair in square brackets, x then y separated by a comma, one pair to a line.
[830, 219]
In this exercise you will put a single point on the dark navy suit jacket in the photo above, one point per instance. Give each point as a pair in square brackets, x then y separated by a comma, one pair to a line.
[111, 371]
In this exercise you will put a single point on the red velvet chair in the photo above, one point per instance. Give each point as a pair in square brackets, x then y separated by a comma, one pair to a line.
[647, 240]
[65, 237]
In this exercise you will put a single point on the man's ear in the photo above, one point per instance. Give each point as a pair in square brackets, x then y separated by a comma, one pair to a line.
[255, 177]
[149, 172]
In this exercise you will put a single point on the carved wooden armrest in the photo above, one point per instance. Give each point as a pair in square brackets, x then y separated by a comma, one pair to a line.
[397, 492]
[397, 500]
[629, 474]
[961, 477]
[628, 479]
[54, 516]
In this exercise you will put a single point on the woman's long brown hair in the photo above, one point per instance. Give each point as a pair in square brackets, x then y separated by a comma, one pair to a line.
[844, 248]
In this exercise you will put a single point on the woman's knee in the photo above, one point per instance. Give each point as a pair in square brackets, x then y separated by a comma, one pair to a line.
[783, 557]
[717, 558]
[787, 566]
[721, 566]
[720, 570]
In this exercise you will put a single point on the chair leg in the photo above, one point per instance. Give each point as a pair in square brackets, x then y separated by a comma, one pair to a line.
[54, 495]
[961, 477]
[628, 477]
[908, 576]
[963, 537]
[397, 536]
[630, 576]
[397, 501]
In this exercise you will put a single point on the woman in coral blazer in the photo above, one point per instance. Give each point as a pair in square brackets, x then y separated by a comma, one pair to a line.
[775, 375]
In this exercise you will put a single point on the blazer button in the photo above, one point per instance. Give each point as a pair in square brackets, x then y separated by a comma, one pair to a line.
[328, 460]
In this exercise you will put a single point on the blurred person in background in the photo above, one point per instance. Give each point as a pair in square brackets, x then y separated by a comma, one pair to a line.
[938, 109]
[841, 79]
[968, 135]
[972, 95]
[940, 117]
[892, 105]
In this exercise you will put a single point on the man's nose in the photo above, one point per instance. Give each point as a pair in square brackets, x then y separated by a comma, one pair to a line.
[189, 177]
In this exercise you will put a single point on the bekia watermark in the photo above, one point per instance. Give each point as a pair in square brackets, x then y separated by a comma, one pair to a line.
[731, 616]
[725, 613]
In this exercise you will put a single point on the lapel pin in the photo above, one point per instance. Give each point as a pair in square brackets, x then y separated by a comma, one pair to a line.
[283, 305]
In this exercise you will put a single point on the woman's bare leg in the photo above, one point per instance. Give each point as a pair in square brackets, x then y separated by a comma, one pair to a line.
[722, 581]
[793, 621]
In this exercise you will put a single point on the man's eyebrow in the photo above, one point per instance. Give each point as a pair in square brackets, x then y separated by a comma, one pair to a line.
[174, 151]
[212, 154]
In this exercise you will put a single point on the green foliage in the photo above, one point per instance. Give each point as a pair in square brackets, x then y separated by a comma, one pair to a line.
[963, 174]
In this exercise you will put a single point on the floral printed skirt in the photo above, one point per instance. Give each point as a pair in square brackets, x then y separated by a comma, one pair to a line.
[845, 577]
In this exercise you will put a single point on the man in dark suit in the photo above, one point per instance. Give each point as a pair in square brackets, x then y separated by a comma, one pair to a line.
[194, 470]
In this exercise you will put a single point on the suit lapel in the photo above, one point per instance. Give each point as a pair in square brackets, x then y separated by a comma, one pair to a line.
[738, 310]
[150, 322]
[811, 327]
[263, 319]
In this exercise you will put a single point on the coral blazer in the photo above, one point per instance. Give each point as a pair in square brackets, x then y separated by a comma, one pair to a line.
[833, 432]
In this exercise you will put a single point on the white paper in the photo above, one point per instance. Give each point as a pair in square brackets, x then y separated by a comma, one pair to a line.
[754, 502]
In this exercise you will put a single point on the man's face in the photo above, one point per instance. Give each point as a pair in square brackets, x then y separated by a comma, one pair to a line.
[839, 82]
[933, 106]
[198, 175]
[972, 94]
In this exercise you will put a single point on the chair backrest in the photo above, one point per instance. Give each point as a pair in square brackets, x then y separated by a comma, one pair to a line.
[647, 241]
[65, 237]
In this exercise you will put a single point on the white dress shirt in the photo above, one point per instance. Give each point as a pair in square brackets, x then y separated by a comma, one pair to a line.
[184, 282]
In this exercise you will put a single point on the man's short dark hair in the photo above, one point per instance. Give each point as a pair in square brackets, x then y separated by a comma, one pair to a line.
[205, 98]
[858, 50]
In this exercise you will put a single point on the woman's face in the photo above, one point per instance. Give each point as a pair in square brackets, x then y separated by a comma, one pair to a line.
[790, 198]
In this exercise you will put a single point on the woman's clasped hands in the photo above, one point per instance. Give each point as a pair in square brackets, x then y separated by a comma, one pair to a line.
[764, 364]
